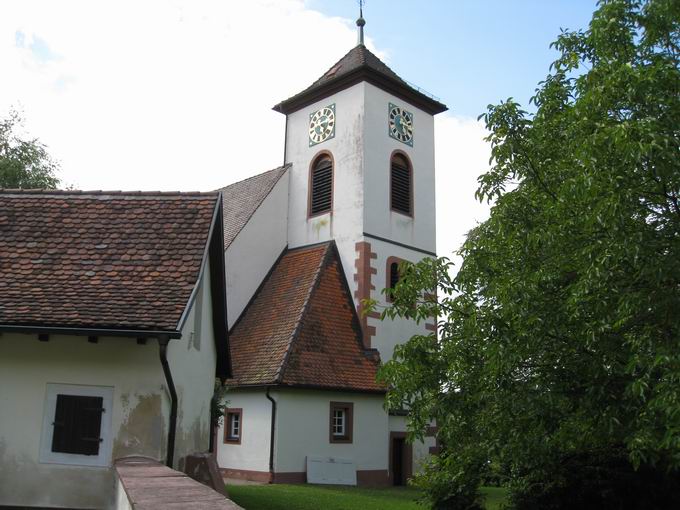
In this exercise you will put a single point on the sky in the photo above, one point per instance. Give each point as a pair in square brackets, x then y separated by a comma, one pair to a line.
[177, 95]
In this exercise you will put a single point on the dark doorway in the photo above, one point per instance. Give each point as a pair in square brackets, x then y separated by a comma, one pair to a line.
[400, 458]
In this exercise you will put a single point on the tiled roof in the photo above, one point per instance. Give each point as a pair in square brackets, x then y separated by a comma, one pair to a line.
[241, 200]
[109, 260]
[360, 63]
[301, 328]
[359, 56]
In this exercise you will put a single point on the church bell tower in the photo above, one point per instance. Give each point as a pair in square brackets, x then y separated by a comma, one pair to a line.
[360, 143]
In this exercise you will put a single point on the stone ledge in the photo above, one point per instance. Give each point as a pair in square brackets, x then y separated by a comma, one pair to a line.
[146, 484]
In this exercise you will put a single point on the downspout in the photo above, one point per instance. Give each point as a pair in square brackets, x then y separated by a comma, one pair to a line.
[163, 352]
[271, 438]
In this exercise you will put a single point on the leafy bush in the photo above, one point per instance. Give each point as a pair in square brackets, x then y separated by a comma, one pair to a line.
[596, 479]
[446, 492]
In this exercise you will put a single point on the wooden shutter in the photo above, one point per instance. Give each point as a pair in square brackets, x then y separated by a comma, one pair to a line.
[77, 424]
[400, 183]
[322, 187]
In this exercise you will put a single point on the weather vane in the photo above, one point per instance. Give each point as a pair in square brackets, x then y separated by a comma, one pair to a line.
[361, 22]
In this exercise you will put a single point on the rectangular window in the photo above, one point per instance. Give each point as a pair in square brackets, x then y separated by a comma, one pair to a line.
[233, 425]
[77, 425]
[341, 418]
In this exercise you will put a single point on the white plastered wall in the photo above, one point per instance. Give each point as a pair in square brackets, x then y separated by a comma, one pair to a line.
[252, 454]
[140, 414]
[389, 333]
[192, 360]
[379, 220]
[345, 222]
[252, 253]
[421, 449]
[303, 428]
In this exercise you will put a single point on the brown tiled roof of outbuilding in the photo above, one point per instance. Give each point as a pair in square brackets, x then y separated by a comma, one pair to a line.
[301, 328]
[241, 200]
[110, 260]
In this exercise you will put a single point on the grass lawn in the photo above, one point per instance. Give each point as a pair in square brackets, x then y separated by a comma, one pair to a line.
[331, 497]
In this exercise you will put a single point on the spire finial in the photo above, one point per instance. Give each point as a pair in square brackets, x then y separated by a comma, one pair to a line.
[360, 23]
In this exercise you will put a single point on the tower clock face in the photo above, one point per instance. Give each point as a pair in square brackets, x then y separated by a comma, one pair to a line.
[401, 124]
[322, 125]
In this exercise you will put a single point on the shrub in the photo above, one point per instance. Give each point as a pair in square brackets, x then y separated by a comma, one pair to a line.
[596, 479]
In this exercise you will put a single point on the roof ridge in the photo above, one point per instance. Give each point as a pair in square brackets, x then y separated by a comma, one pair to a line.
[121, 193]
[240, 222]
[278, 378]
[282, 167]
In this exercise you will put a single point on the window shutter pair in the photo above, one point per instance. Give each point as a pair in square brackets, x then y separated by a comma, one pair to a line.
[77, 424]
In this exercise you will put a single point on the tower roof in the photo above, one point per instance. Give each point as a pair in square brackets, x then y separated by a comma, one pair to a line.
[358, 65]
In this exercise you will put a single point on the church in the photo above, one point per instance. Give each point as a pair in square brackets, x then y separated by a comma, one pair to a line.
[305, 244]
[119, 310]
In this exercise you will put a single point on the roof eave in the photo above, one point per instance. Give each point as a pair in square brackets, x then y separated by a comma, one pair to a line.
[318, 387]
[363, 73]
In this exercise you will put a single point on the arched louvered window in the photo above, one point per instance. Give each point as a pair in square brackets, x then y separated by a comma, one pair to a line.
[321, 185]
[401, 185]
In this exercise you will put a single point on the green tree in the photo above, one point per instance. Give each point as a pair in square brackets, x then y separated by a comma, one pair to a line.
[561, 330]
[24, 163]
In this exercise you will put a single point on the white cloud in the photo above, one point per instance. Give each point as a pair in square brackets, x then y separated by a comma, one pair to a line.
[178, 95]
[461, 156]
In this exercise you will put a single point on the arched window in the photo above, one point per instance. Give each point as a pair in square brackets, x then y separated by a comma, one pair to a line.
[401, 185]
[394, 274]
[321, 185]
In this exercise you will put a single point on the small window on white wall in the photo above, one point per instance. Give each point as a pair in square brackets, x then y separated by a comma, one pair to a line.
[341, 422]
[77, 425]
[233, 425]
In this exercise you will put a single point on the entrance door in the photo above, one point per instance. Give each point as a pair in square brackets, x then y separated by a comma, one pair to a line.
[400, 458]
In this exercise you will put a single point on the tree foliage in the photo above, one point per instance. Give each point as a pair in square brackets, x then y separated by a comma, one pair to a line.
[24, 163]
[561, 330]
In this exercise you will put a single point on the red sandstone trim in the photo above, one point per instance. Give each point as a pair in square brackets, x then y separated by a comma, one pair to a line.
[373, 478]
[363, 275]
[365, 477]
[292, 478]
[244, 474]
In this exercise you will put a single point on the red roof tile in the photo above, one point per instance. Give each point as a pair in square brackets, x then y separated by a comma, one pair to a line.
[301, 328]
[108, 260]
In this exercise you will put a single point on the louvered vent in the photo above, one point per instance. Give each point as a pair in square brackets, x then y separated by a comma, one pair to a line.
[322, 187]
[401, 186]
[394, 274]
[77, 424]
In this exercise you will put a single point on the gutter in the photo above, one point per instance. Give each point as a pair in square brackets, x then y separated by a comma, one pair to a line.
[271, 438]
[163, 354]
[61, 330]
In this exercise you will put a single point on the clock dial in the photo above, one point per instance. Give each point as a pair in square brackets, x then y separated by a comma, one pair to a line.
[401, 124]
[322, 125]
